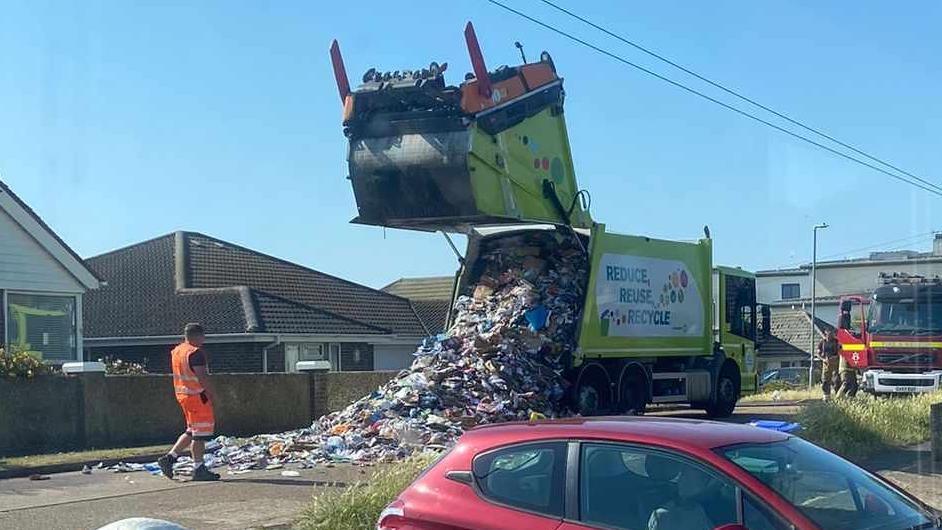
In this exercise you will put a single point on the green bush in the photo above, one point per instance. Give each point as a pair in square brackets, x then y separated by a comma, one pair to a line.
[864, 425]
[21, 364]
[358, 507]
[114, 366]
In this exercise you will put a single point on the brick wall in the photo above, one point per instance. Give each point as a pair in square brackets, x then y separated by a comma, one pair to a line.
[230, 357]
[333, 391]
[350, 361]
[55, 413]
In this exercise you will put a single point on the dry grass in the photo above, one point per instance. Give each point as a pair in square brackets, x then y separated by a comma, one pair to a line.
[357, 507]
[864, 425]
[784, 395]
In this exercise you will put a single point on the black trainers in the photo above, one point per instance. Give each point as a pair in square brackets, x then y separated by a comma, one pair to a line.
[166, 465]
[202, 474]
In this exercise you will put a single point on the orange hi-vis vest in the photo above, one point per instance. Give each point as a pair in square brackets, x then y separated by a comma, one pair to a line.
[185, 382]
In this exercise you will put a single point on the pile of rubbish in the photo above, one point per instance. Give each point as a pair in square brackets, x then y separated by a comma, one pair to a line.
[502, 359]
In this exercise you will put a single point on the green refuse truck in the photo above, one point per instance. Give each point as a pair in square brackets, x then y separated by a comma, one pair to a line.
[491, 158]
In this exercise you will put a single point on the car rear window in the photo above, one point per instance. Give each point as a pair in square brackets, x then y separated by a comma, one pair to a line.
[529, 477]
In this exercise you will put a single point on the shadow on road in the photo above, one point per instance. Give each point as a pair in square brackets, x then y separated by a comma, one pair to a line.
[291, 482]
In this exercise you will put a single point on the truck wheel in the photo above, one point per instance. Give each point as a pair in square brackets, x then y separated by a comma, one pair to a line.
[592, 393]
[632, 392]
[727, 393]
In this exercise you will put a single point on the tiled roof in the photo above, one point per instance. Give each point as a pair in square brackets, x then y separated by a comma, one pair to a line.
[430, 296]
[791, 333]
[285, 316]
[140, 298]
[433, 313]
[428, 288]
[156, 286]
[216, 263]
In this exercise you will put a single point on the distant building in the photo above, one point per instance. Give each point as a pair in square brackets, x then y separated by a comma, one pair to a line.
[261, 313]
[791, 339]
[42, 283]
[791, 288]
[788, 292]
[430, 296]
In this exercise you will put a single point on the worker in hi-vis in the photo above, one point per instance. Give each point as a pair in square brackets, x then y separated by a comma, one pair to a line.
[195, 395]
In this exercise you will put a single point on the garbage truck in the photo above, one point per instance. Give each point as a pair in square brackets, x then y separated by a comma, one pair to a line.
[894, 336]
[491, 158]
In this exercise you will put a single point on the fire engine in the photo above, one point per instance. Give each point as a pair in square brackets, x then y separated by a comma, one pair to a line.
[895, 335]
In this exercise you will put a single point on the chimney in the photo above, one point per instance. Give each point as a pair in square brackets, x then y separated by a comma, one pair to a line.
[937, 244]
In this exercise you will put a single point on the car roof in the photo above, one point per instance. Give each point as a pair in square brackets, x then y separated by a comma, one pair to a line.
[671, 432]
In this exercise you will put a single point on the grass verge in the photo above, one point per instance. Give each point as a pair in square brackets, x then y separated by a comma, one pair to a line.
[358, 507]
[79, 457]
[864, 425]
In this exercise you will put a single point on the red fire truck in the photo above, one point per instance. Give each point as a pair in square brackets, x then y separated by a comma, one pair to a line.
[895, 336]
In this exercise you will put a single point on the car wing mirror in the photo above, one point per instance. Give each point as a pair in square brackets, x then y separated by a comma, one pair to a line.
[463, 477]
[731, 526]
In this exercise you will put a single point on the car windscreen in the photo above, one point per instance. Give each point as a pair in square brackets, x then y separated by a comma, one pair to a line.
[830, 491]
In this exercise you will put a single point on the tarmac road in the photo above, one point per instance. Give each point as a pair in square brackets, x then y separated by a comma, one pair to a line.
[261, 499]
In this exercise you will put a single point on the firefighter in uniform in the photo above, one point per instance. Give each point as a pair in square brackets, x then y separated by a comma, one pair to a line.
[829, 353]
[195, 396]
[848, 375]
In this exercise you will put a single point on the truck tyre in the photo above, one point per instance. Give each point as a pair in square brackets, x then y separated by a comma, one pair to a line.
[632, 391]
[727, 392]
[592, 393]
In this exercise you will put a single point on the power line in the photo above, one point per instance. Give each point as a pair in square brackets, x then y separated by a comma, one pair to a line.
[876, 246]
[882, 246]
[737, 94]
[709, 98]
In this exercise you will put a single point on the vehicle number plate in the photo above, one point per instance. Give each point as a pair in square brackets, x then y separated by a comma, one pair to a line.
[906, 389]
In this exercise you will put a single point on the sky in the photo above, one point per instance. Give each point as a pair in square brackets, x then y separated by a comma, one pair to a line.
[122, 121]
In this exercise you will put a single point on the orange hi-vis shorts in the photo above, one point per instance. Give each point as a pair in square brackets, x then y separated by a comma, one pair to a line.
[198, 411]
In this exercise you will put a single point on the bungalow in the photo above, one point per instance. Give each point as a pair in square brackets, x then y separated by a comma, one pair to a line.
[42, 283]
[261, 313]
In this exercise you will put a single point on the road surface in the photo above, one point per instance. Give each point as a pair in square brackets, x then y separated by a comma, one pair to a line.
[260, 499]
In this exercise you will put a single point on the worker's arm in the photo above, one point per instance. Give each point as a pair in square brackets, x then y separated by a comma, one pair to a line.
[199, 365]
[202, 374]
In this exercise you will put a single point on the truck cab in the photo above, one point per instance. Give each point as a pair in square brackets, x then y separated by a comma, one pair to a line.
[895, 335]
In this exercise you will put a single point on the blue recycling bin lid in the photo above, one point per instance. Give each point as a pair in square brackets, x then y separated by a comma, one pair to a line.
[775, 425]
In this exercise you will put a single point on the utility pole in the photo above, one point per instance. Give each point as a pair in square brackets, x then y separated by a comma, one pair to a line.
[814, 266]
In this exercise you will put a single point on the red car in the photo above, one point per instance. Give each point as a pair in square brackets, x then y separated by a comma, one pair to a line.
[647, 474]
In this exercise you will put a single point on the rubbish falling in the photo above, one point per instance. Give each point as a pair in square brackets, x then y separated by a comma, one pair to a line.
[502, 358]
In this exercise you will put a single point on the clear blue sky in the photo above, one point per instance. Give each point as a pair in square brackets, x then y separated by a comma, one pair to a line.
[112, 115]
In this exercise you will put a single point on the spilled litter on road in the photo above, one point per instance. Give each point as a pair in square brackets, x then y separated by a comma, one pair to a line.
[501, 360]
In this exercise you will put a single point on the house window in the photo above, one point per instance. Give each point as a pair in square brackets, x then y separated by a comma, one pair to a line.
[44, 326]
[312, 352]
[321, 351]
[791, 291]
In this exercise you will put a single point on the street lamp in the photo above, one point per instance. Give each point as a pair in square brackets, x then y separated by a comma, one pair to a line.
[814, 265]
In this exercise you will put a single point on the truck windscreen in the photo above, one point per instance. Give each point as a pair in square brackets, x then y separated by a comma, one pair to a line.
[906, 316]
